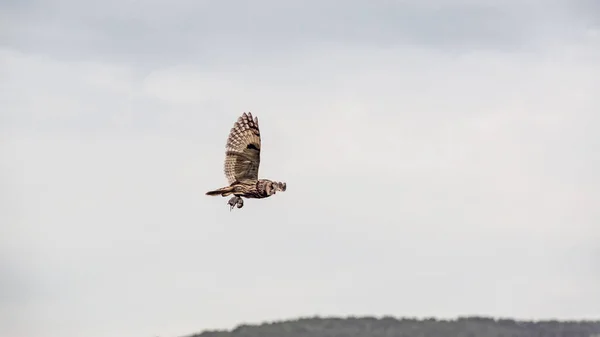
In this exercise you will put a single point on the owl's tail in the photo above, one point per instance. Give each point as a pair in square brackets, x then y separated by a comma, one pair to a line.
[223, 191]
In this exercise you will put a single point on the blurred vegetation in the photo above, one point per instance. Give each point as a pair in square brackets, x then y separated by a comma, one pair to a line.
[409, 327]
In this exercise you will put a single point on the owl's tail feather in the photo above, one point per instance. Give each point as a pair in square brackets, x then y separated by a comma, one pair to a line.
[223, 191]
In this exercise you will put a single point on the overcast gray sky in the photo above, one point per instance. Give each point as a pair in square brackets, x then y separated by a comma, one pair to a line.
[441, 158]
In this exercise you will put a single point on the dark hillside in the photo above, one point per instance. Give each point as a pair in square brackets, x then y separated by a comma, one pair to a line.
[407, 327]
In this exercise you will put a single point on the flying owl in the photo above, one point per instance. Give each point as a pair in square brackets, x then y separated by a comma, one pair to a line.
[242, 160]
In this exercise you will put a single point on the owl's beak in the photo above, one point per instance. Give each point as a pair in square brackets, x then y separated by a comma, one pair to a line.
[280, 187]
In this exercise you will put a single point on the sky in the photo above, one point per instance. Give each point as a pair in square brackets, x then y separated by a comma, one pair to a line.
[441, 159]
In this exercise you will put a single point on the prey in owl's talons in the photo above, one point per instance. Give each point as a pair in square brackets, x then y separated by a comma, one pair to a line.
[235, 201]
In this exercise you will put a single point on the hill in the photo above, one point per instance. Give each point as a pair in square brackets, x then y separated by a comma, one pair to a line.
[409, 327]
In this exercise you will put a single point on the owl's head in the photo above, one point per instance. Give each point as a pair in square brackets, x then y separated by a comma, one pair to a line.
[271, 187]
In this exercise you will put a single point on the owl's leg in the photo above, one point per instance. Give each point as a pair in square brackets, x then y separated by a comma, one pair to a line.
[235, 201]
[232, 202]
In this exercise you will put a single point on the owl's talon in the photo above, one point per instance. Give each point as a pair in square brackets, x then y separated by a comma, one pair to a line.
[232, 203]
[235, 201]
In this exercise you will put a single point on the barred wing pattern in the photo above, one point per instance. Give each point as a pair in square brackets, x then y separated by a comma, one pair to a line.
[242, 157]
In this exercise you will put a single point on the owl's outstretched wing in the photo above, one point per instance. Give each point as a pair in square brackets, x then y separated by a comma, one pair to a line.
[242, 157]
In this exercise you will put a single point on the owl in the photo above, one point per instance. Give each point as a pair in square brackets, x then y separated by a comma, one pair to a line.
[242, 160]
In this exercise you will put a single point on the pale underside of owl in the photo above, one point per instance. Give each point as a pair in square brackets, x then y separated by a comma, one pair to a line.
[242, 160]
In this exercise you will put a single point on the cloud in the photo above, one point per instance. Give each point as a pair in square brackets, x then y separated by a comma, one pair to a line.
[213, 33]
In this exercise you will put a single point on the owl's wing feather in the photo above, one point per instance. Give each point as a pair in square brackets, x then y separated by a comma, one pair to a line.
[242, 157]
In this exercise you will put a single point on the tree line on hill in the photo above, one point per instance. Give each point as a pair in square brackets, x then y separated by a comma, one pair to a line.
[411, 327]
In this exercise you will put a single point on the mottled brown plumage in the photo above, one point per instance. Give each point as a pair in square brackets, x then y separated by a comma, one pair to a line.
[242, 161]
